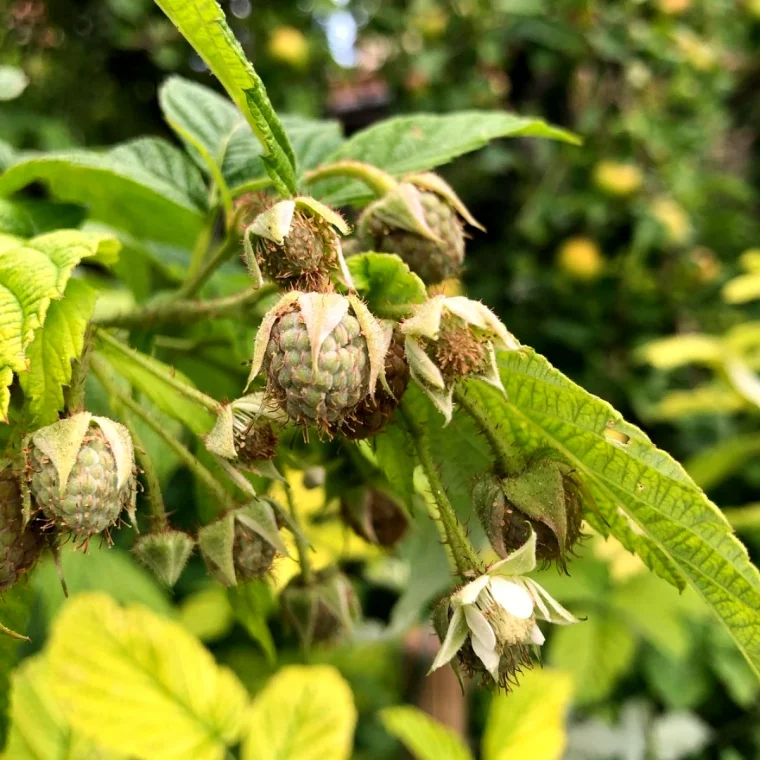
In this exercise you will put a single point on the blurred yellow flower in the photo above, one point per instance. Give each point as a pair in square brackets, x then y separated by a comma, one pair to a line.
[581, 259]
[673, 218]
[288, 45]
[698, 53]
[673, 7]
[617, 178]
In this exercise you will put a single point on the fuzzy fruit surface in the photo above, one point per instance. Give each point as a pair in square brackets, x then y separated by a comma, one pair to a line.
[19, 547]
[305, 257]
[373, 414]
[92, 500]
[253, 555]
[326, 396]
[458, 351]
[434, 261]
[256, 443]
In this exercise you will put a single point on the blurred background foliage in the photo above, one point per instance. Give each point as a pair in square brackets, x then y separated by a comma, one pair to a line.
[632, 263]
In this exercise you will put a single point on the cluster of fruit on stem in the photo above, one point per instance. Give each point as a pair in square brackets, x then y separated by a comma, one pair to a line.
[323, 361]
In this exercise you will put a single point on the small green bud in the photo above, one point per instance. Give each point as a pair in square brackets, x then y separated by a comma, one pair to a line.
[165, 553]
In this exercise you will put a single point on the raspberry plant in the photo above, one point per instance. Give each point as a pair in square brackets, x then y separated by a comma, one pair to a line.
[322, 262]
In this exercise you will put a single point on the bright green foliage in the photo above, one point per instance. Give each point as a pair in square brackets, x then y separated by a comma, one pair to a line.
[424, 737]
[51, 352]
[385, 281]
[203, 24]
[181, 703]
[645, 498]
[150, 204]
[303, 713]
[32, 274]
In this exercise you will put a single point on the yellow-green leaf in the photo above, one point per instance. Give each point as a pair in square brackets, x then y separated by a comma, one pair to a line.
[137, 683]
[39, 730]
[32, 274]
[303, 713]
[745, 287]
[529, 722]
[425, 738]
[54, 347]
[677, 350]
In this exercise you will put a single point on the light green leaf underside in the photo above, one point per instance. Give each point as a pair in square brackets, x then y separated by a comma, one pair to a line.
[39, 730]
[221, 141]
[203, 24]
[32, 274]
[424, 141]
[424, 737]
[383, 279]
[303, 713]
[119, 190]
[130, 365]
[645, 498]
[51, 352]
[171, 700]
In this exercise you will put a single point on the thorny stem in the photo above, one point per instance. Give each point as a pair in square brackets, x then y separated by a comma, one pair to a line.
[302, 546]
[75, 395]
[186, 311]
[101, 370]
[377, 180]
[509, 462]
[465, 557]
[192, 393]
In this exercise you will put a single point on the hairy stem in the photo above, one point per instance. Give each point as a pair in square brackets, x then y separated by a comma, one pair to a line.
[102, 370]
[187, 311]
[201, 244]
[466, 560]
[375, 179]
[75, 394]
[508, 460]
[198, 278]
[187, 390]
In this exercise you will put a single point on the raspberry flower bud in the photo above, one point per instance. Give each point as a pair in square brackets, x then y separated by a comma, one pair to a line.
[451, 338]
[164, 553]
[374, 515]
[244, 434]
[242, 543]
[296, 244]
[419, 220]
[494, 618]
[545, 499]
[81, 474]
[20, 545]
[323, 610]
[322, 354]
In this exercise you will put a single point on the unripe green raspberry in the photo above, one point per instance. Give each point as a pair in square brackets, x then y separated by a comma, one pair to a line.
[19, 546]
[95, 457]
[327, 395]
[253, 555]
[433, 260]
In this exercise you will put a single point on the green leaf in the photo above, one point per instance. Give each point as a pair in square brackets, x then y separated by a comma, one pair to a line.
[13, 81]
[741, 289]
[39, 730]
[110, 570]
[424, 737]
[131, 365]
[303, 713]
[251, 603]
[172, 700]
[15, 220]
[713, 465]
[33, 273]
[424, 141]
[645, 498]
[16, 611]
[681, 682]
[221, 141]
[117, 189]
[529, 724]
[597, 652]
[383, 280]
[395, 457]
[677, 350]
[207, 613]
[203, 25]
[54, 347]
[48, 216]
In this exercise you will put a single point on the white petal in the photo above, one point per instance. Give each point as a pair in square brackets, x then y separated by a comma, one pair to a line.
[521, 561]
[468, 594]
[274, 223]
[487, 655]
[422, 366]
[512, 597]
[557, 614]
[479, 626]
[536, 637]
[455, 637]
[426, 320]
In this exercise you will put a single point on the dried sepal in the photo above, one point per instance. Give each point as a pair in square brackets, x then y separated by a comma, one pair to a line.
[402, 208]
[439, 186]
